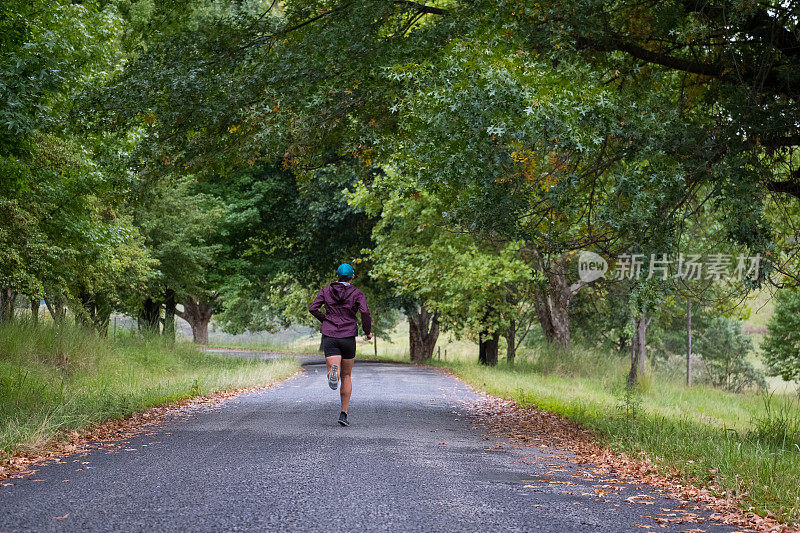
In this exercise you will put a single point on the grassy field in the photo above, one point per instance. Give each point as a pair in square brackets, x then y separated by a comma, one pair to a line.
[57, 379]
[762, 307]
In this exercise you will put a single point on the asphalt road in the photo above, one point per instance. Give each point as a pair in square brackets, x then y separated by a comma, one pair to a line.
[413, 459]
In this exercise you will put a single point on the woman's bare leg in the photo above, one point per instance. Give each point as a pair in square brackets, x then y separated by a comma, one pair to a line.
[347, 384]
[333, 360]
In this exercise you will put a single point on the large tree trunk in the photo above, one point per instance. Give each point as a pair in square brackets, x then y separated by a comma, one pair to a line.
[55, 304]
[487, 348]
[169, 315]
[423, 332]
[198, 315]
[552, 300]
[511, 342]
[35, 311]
[150, 316]
[85, 315]
[638, 348]
[102, 314]
[7, 299]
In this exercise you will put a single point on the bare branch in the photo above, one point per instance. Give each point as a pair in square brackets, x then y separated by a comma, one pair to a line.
[778, 142]
[694, 67]
[790, 186]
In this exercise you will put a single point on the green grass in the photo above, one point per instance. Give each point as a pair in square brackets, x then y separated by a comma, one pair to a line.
[301, 346]
[746, 443]
[54, 380]
[305, 344]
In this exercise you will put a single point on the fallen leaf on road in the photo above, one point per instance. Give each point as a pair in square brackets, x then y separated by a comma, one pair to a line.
[639, 499]
[60, 517]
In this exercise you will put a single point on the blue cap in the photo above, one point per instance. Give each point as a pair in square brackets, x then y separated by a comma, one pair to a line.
[345, 270]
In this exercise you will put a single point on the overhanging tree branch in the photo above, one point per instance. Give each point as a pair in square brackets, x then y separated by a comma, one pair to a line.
[422, 8]
[666, 60]
[779, 142]
[790, 186]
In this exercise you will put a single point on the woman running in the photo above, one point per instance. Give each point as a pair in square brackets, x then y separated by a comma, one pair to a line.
[339, 329]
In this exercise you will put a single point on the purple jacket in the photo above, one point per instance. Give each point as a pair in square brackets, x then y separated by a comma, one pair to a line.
[342, 302]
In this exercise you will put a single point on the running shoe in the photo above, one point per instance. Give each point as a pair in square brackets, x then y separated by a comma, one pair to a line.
[343, 419]
[333, 377]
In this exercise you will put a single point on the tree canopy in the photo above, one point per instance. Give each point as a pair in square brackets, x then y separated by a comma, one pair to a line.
[220, 159]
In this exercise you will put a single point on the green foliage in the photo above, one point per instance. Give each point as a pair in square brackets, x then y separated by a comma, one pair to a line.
[65, 233]
[741, 90]
[724, 349]
[215, 149]
[23, 250]
[181, 227]
[781, 346]
[51, 50]
[281, 237]
[520, 147]
[523, 140]
[468, 282]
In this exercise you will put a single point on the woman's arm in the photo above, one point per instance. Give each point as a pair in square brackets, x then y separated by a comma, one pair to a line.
[315, 305]
[366, 319]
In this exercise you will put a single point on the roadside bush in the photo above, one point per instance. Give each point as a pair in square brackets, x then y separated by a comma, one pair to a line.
[724, 348]
[781, 346]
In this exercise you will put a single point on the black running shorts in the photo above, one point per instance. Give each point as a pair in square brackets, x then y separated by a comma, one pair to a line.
[346, 346]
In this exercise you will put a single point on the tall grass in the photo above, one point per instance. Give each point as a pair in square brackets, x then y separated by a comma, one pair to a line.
[59, 378]
[779, 424]
[304, 345]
